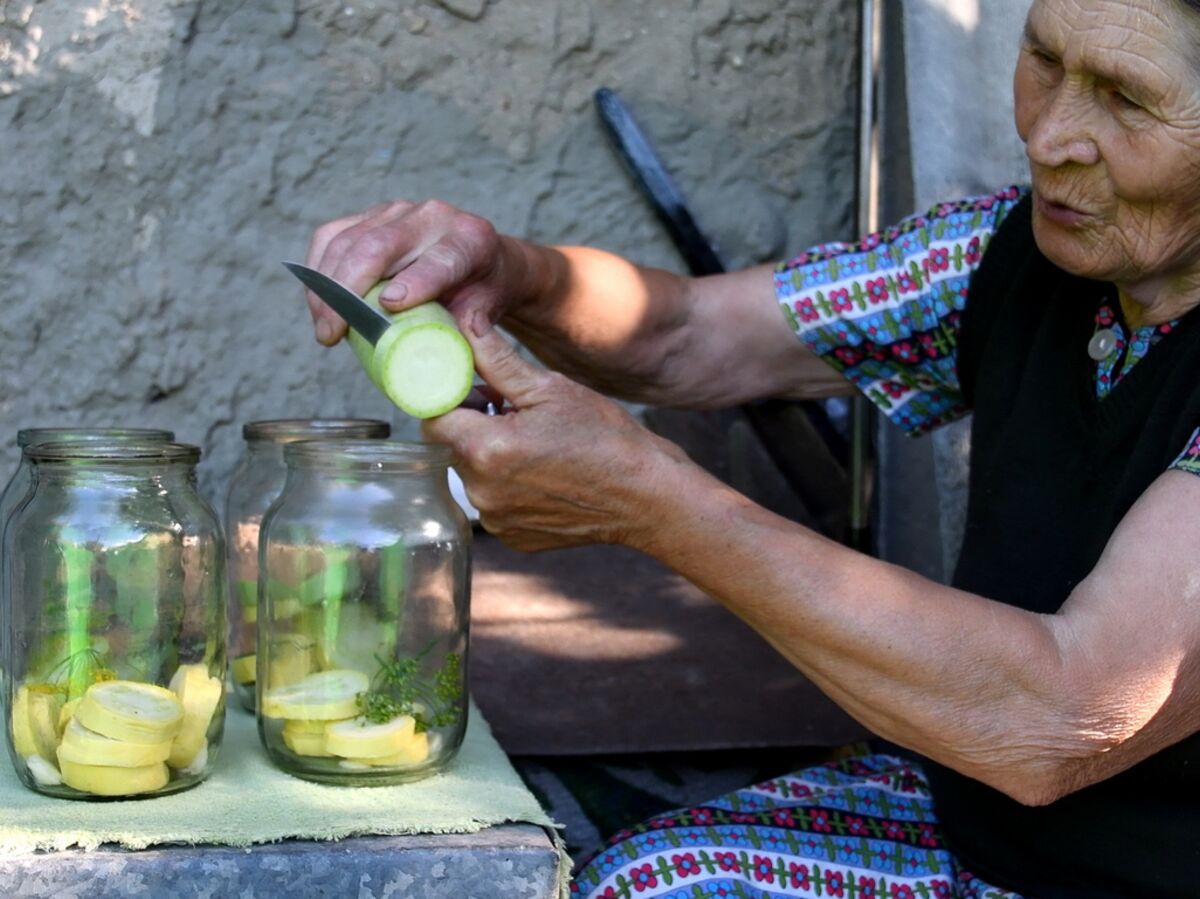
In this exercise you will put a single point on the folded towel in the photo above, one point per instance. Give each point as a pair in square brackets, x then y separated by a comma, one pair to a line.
[247, 800]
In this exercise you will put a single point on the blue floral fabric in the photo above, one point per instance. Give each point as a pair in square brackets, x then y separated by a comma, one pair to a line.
[861, 828]
[885, 311]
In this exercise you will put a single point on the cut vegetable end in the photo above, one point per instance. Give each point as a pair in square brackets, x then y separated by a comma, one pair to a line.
[422, 363]
[426, 370]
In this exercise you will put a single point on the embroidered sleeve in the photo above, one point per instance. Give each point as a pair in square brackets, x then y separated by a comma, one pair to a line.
[1189, 459]
[885, 311]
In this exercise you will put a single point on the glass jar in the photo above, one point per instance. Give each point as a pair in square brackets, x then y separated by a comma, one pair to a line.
[115, 584]
[254, 486]
[18, 485]
[365, 577]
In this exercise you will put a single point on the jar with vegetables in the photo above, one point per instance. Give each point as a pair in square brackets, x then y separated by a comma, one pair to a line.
[115, 646]
[254, 486]
[18, 485]
[364, 580]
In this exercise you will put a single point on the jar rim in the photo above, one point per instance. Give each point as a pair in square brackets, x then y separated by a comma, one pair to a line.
[369, 453]
[114, 452]
[288, 430]
[29, 436]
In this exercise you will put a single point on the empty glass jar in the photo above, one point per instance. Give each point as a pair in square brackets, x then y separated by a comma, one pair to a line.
[115, 650]
[362, 630]
[254, 486]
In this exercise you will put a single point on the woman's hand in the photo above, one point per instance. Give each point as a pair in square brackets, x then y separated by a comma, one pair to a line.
[429, 251]
[563, 466]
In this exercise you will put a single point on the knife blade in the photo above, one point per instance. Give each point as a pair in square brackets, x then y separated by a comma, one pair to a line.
[360, 315]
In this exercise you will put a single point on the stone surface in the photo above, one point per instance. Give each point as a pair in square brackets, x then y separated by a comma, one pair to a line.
[159, 158]
[514, 861]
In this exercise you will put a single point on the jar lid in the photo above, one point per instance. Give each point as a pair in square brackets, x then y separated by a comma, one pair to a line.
[287, 430]
[29, 436]
[113, 452]
[380, 455]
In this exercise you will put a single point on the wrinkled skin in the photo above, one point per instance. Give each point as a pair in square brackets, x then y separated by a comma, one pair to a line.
[1107, 100]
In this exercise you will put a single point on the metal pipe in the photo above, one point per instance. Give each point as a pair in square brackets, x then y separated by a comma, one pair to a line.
[870, 26]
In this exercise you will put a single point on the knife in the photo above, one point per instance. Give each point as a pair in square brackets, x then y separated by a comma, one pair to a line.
[360, 315]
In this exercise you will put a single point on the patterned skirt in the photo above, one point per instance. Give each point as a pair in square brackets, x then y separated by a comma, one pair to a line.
[862, 828]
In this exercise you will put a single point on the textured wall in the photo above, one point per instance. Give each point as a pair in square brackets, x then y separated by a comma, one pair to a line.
[158, 158]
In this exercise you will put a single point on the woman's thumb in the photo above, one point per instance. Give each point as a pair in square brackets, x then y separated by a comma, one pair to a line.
[499, 363]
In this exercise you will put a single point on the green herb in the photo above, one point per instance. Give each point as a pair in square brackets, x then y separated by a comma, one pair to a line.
[80, 670]
[399, 689]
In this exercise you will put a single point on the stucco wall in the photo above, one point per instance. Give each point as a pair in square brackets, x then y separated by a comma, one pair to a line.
[158, 158]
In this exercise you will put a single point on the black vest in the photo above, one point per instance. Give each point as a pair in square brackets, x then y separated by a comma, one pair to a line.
[1053, 471]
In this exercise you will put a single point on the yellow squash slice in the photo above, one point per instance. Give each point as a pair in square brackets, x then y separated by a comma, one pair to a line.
[415, 751]
[86, 747]
[323, 696]
[200, 695]
[245, 669]
[302, 726]
[305, 744]
[66, 713]
[131, 711]
[35, 721]
[106, 781]
[360, 739]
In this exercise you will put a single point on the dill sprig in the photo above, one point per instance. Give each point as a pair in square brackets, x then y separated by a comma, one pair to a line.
[399, 689]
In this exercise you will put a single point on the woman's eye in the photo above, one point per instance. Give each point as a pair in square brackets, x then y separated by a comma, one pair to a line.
[1046, 59]
[1124, 101]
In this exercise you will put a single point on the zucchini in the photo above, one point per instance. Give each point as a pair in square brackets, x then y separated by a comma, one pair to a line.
[422, 363]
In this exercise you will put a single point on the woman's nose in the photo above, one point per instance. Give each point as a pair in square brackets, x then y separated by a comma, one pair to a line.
[1062, 132]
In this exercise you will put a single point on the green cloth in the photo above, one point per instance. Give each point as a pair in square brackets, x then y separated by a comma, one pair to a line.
[247, 800]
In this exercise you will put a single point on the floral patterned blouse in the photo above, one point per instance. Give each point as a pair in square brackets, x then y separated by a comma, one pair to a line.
[886, 312]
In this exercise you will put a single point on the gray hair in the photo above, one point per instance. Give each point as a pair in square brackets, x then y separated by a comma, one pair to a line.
[1190, 9]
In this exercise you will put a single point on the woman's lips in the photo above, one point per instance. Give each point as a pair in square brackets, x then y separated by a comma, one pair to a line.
[1061, 213]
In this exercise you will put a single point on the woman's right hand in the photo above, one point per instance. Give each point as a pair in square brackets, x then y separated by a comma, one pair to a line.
[429, 250]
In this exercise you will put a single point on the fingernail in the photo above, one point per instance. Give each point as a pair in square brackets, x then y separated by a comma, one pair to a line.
[480, 324]
[394, 293]
[324, 331]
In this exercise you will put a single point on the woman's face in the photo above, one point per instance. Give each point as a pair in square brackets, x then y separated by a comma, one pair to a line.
[1108, 104]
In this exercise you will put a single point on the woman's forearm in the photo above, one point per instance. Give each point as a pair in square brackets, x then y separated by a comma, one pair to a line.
[597, 317]
[960, 679]
[651, 336]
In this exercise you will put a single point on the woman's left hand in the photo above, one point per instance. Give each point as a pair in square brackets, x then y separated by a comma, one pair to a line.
[563, 466]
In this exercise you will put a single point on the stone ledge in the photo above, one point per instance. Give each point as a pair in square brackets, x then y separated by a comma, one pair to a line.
[511, 860]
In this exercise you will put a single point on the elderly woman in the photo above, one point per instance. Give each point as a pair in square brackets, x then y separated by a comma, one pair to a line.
[1054, 690]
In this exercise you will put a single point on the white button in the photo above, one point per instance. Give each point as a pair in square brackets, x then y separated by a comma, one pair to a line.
[1102, 344]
